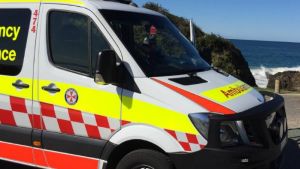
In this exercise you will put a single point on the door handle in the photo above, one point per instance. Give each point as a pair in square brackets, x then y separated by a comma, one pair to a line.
[51, 88]
[20, 85]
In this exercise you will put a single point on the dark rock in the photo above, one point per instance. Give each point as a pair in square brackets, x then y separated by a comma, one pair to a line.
[223, 54]
[214, 49]
[289, 80]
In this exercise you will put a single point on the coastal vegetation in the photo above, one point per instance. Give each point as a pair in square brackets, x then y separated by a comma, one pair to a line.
[216, 50]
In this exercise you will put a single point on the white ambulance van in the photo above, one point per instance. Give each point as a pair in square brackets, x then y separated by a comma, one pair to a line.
[92, 84]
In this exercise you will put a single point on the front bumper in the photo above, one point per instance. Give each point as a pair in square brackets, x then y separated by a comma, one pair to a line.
[265, 142]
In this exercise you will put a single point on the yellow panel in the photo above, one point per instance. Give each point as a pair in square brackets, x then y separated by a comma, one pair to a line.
[102, 103]
[20, 1]
[108, 104]
[6, 87]
[76, 2]
[228, 92]
[89, 100]
[141, 112]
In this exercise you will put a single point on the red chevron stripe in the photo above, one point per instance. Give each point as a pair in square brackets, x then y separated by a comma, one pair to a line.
[207, 104]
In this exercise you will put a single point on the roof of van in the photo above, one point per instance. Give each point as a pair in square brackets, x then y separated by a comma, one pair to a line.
[73, 2]
[109, 5]
[99, 4]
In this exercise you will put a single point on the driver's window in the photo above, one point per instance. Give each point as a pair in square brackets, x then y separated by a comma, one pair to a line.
[75, 42]
[68, 38]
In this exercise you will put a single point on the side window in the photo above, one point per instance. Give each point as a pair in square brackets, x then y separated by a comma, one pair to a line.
[75, 41]
[68, 35]
[14, 26]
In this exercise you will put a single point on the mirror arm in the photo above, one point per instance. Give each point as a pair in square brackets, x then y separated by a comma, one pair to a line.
[99, 79]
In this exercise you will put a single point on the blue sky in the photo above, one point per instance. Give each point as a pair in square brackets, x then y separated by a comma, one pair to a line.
[273, 20]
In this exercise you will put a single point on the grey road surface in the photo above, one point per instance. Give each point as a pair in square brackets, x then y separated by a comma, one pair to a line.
[292, 105]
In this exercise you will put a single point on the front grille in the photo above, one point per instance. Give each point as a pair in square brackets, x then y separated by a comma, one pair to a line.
[278, 126]
[254, 128]
[275, 124]
[252, 133]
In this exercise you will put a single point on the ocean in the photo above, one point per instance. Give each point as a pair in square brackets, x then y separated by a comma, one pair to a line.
[266, 57]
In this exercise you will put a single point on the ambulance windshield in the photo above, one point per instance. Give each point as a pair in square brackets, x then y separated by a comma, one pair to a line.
[155, 43]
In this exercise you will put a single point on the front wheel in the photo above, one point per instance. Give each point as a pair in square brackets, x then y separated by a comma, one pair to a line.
[145, 159]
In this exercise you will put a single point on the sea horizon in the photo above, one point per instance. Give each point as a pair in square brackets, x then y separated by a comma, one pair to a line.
[261, 40]
[269, 57]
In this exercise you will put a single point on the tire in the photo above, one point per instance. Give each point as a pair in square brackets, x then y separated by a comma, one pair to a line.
[145, 159]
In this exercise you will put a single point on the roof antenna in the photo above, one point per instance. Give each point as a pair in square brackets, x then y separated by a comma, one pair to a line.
[192, 33]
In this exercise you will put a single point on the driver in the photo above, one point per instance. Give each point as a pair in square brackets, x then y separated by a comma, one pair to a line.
[150, 43]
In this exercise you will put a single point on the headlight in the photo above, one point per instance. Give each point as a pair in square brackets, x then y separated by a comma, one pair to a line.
[229, 134]
[201, 122]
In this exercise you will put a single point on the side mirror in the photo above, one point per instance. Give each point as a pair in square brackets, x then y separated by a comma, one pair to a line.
[106, 67]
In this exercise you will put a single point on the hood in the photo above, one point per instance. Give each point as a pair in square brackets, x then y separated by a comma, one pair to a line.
[208, 91]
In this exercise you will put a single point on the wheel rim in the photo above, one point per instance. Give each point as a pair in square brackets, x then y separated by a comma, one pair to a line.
[143, 166]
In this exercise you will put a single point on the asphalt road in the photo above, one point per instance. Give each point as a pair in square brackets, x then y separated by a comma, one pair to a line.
[292, 106]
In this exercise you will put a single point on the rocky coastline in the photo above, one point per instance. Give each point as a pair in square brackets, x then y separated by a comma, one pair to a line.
[289, 80]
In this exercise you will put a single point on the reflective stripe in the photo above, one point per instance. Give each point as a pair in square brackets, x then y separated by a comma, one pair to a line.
[102, 103]
[24, 154]
[74, 2]
[229, 92]
[16, 152]
[89, 100]
[74, 122]
[189, 142]
[39, 158]
[57, 119]
[137, 111]
[67, 161]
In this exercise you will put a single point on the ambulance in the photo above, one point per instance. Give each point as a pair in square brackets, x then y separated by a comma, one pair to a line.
[92, 84]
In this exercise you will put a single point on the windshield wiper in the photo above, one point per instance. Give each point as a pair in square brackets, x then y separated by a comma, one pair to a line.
[193, 73]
